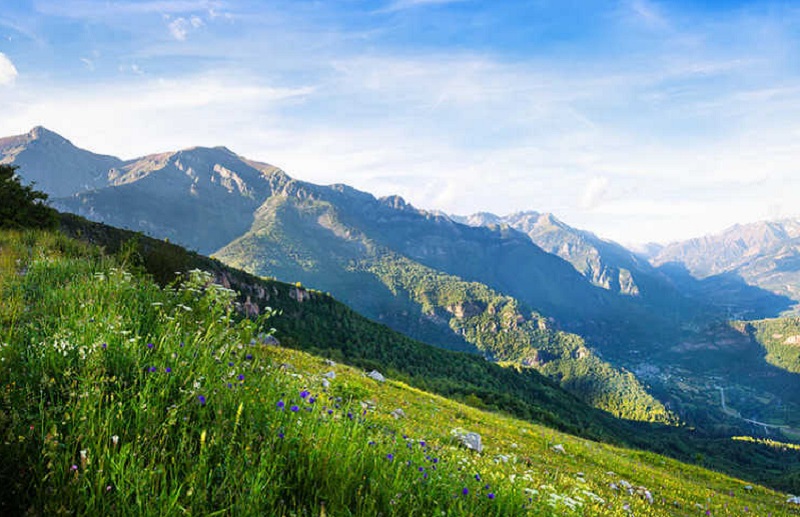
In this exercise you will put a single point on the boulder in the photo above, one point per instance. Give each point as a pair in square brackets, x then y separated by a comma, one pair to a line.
[468, 439]
[376, 375]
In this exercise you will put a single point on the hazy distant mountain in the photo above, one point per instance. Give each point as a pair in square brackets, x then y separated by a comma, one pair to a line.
[58, 167]
[606, 264]
[764, 254]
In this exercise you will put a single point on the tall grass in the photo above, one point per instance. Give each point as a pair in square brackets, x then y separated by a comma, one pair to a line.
[122, 398]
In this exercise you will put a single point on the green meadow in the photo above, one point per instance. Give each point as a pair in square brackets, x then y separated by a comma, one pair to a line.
[122, 397]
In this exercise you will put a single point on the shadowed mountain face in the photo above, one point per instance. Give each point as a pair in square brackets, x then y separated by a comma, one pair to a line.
[764, 255]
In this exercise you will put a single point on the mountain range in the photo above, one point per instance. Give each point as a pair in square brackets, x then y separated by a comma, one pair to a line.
[524, 290]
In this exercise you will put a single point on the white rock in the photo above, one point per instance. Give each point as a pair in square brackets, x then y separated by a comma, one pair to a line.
[398, 413]
[558, 448]
[330, 375]
[468, 439]
[329, 362]
[376, 375]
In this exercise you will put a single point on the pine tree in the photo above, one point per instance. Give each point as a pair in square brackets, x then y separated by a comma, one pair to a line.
[20, 205]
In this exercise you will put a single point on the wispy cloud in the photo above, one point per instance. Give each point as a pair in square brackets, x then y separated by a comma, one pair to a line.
[180, 27]
[399, 5]
[8, 72]
[93, 9]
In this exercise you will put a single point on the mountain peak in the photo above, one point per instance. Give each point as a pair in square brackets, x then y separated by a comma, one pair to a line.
[42, 133]
[395, 202]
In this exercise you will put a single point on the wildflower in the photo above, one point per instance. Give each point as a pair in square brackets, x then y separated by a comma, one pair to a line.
[153, 369]
[108, 488]
[104, 346]
[349, 415]
[464, 491]
[371, 443]
[281, 435]
[74, 468]
[230, 363]
[201, 399]
[150, 345]
[311, 400]
[422, 443]
[280, 405]
[304, 394]
[477, 477]
[241, 377]
[249, 357]
[294, 408]
[115, 439]
[168, 369]
[390, 456]
[490, 495]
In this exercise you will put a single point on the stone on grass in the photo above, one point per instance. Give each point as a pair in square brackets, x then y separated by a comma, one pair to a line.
[469, 440]
[376, 375]
[398, 414]
[558, 448]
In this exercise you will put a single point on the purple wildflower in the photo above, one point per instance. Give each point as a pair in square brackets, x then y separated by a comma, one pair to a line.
[464, 491]
[477, 477]
[249, 357]
[168, 369]
[390, 456]
[74, 468]
[241, 377]
[490, 495]
[280, 405]
[230, 363]
[280, 435]
[150, 345]
[294, 408]
[304, 394]
[105, 345]
[201, 399]
[153, 369]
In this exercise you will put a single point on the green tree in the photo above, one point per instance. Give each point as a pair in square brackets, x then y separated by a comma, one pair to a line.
[20, 205]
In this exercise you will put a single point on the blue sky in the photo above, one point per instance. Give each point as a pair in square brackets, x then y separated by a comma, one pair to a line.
[636, 119]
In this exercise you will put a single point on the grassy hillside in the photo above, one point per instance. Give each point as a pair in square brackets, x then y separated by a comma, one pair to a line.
[315, 322]
[121, 397]
[780, 337]
[307, 239]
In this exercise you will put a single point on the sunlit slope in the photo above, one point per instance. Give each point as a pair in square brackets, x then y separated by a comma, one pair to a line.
[125, 398]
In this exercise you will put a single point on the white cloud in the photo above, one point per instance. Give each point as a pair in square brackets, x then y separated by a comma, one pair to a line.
[8, 72]
[594, 192]
[180, 27]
